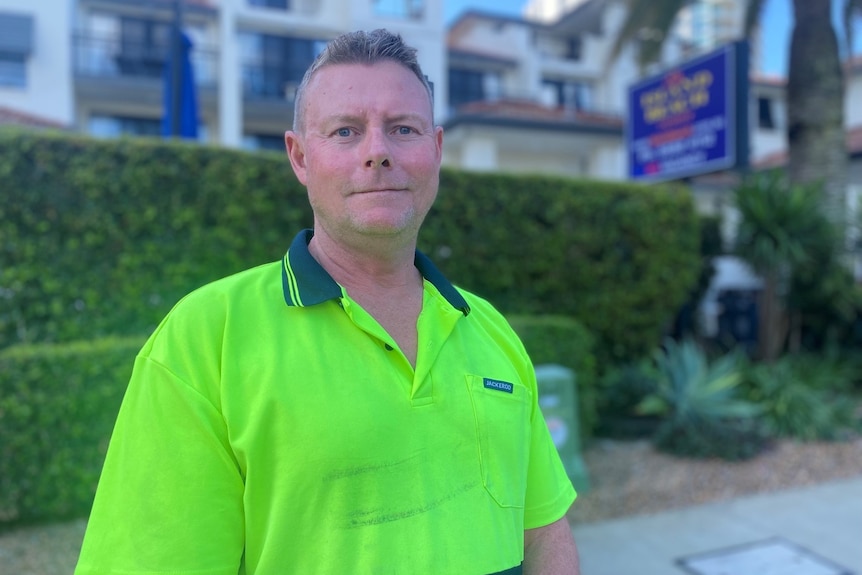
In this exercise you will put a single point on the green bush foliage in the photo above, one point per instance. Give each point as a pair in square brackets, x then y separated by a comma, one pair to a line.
[730, 439]
[58, 403]
[620, 390]
[101, 237]
[621, 258]
[805, 397]
[564, 341]
[701, 406]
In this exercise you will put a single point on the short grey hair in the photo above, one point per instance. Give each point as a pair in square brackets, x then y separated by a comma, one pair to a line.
[361, 48]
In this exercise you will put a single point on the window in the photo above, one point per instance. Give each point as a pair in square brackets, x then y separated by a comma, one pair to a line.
[765, 118]
[144, 47]
[574, 47]
[281, 4]
[568, 94]
[16, 45]
[13, 71]
[114, 126]
[273, 66]
[263, 142]
[408, 9]
[465, 86]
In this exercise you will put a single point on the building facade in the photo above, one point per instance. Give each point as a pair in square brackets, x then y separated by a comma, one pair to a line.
[97, 66]
[537, 93]
[35, 52]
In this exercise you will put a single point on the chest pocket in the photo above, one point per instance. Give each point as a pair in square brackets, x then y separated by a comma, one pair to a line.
[502, 413]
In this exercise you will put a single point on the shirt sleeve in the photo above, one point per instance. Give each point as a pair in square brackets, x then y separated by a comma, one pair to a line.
[550, 492]
[169, 498]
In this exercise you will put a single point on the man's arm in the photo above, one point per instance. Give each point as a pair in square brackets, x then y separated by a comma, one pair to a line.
[551, 550]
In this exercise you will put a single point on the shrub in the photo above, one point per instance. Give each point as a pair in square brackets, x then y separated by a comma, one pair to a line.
[728, 439]
[620, 257]
[58, 404]
[704, 417]
[804, 398]
[563, 341]
[101, 238]
[620, 390]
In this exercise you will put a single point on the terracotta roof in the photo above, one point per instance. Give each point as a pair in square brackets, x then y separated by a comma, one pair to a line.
[778, 159]
[532, 111]
[854, 140]
[8, 116]
[768, 79]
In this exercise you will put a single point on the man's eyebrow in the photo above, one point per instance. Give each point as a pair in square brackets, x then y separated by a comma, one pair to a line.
[357, 119]
[343, 119]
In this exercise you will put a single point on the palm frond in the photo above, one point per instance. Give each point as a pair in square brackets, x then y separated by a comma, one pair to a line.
[852, 8]
[753, 10]
[647, 22]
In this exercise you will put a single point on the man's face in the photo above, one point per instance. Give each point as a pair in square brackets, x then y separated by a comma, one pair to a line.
[368, 151]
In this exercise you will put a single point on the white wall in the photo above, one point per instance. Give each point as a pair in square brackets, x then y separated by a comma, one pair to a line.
[48, 93]
[853, 98]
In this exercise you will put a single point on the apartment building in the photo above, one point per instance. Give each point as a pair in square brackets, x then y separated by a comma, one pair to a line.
[539, 93]
[531, 94]
[97, 66]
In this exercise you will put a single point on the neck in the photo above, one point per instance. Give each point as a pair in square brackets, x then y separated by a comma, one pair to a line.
[366, 267]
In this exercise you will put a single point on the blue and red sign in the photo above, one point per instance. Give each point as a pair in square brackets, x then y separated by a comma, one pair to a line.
[692, 119]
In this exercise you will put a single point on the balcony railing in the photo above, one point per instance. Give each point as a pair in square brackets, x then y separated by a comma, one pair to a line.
[101, 56]
[260, 82]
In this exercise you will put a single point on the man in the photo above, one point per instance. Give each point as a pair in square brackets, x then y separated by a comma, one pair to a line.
[345, 410]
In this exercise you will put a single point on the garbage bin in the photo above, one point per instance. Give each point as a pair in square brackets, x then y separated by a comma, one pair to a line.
[558, 400]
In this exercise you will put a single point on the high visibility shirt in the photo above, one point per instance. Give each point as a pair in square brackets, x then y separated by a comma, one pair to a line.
[272, 426]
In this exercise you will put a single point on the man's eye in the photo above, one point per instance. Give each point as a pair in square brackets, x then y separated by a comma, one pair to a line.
[343, 132]
[405, 130]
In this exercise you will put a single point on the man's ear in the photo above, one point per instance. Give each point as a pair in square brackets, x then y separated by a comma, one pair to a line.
[296, 154]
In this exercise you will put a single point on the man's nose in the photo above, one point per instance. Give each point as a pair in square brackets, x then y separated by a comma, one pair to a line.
[377, 151]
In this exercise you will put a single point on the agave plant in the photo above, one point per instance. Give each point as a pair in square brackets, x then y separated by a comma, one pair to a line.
[704, 415]
[692, 388]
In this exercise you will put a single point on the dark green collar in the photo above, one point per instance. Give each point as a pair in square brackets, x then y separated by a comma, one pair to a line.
[306, 283]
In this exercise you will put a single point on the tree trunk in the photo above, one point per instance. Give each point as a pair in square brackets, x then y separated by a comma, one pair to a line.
[815, 106]
[773, 320]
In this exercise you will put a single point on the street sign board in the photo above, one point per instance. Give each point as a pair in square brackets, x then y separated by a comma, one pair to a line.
[691, 119]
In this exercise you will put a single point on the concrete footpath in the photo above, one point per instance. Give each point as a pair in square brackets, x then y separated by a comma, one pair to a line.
[807, 531]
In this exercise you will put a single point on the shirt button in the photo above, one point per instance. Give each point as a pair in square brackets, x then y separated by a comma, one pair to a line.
[388, 347]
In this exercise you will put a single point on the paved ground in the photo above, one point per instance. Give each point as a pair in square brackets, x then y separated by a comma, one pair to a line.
[825, 520]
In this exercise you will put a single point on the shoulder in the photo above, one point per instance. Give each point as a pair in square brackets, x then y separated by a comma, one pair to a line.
[204, 312]
[492, 323]
[483, 310]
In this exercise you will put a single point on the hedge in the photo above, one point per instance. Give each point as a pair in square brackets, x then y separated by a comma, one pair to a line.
[58, 404]
[564, 341]
[621, 258]
[102, 237]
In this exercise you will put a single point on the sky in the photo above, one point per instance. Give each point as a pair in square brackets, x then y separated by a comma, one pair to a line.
[777, 19]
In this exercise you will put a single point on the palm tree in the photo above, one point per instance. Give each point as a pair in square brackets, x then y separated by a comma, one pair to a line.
[815, 84]
[779, 230]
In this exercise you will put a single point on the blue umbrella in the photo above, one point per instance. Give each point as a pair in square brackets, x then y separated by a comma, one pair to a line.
[188, 105]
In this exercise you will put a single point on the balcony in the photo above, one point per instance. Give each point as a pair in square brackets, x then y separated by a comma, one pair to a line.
[113, 73]
[269, 93]
[110, 57]
[262, 82]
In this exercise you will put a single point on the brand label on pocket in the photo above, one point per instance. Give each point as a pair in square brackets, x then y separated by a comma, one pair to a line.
[498, 385]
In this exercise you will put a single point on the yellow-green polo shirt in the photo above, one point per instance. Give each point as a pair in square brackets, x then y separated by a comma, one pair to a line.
[272, 426]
